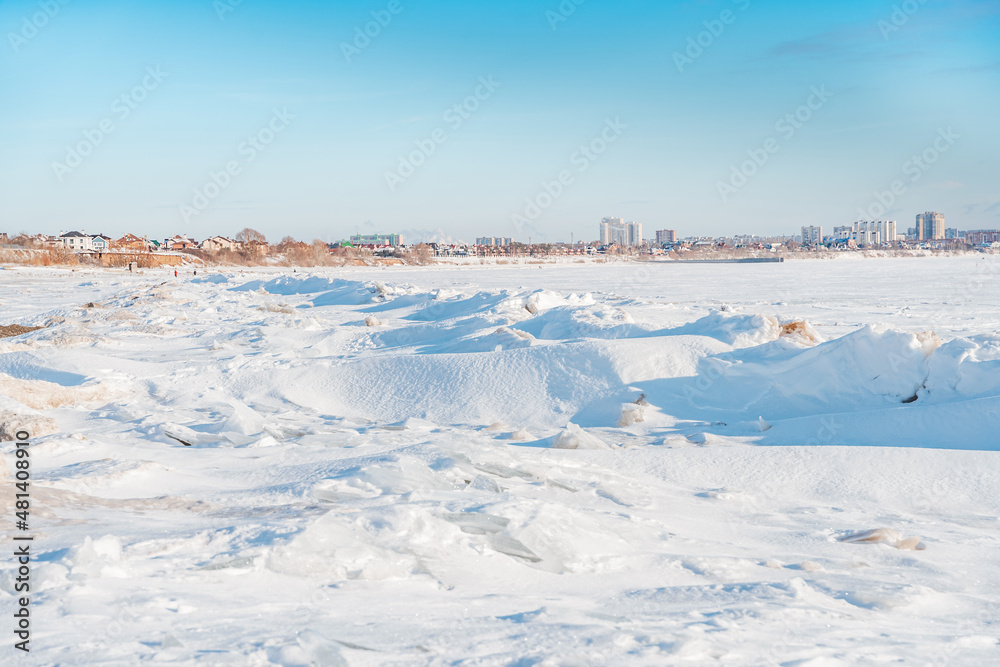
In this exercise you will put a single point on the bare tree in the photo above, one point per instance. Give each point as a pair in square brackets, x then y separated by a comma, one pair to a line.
[252, 243]
[421, 255]
[247, 234]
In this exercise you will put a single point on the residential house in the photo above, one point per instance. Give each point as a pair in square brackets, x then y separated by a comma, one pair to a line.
[217, 243]
[255, 247]
[100, 243]
[179, 242]
[131, 242]
[76, 241]
[42, 241]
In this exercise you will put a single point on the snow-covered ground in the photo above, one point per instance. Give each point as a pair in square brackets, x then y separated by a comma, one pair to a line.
[510, 465]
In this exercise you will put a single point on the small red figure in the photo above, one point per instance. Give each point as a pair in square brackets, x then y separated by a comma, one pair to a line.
[175, 273]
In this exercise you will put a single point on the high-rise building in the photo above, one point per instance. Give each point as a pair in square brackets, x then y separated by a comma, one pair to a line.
[633, 233]
[494, 241]
[607, 224]
[812, 236]
[666, 236]
[618, 232]
[873, 232]
[930, 226]
[982, 236]
[951, 233]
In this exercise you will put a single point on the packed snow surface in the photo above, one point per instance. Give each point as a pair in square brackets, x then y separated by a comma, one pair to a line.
[568, 464]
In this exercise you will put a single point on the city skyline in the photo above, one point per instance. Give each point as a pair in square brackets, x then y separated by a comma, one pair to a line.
[334, 119]
[930, 225]
[615, 231]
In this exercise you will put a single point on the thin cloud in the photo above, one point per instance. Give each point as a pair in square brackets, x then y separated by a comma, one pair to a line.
[842, 40]
[947, 185]
[991, 68]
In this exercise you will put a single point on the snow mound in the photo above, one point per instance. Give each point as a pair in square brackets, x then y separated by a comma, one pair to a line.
[545, 299]
[277, 308]
[28, 366]
[40, 395]
[97, 558]
[213, 279]
[874, 366]
[521, 306]
[802, 332]
[588, 321]
[575, 437]
[966, 367]
[632, 413]
[740, 331]
[884, 536]
[347, 294]
[289, 285]
[20, 419]
[310, 648]
[378, 546]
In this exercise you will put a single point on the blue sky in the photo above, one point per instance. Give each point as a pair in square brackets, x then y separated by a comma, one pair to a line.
[205, 117]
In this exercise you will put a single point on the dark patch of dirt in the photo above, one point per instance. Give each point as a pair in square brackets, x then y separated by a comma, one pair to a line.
[9, 330]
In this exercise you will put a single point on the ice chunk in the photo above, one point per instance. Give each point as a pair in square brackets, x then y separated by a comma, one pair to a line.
[477, 523]
[187, 436]
[512, 547]
[483, 483]
[98, 558]
[632, 413]
[244, 420]
[575, 437]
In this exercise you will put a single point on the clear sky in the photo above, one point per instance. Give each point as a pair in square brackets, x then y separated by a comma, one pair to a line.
[116, 115]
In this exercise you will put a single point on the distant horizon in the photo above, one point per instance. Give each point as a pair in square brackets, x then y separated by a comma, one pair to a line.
[445, 121]
[648, 235]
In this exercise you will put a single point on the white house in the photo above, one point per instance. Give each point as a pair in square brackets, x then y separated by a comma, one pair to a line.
[76, 241]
